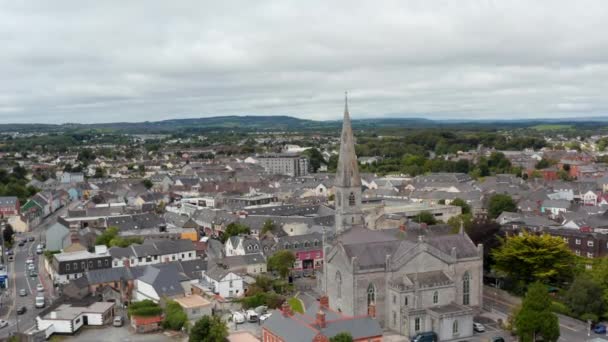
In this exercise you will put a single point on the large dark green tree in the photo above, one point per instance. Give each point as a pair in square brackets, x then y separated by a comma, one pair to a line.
[499, 203]
[466, 208]
[234, 229]
[535, 320]
[315, 158]
[281, 262]
[209, 329]
[585, 298]
[342, 337]
[425, 217]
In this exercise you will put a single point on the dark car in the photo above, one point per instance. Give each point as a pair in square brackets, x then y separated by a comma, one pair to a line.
[31, 238]
[21, 243]
[21, 310]
[428, 336]
[599, 329]
[497, 339]
[10, 252]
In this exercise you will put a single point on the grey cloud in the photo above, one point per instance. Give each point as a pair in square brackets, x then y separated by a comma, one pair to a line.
[66, 61]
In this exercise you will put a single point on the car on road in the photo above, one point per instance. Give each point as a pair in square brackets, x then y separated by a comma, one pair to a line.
[21, 310]
[265, 316]
[3, 323]
[428, 336]
[39, 288]
[238, 317]
[9, 252]
[31, 267]
[22, 293]
[478, 327]
[31, 238]
[39, 249]
[21, 243]
[39, 303]
[252, 316]
[33, 273]
[118, 321]
[599, 329]
[497, 339]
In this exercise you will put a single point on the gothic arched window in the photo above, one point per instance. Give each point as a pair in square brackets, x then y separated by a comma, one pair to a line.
[339, 283]
[466, 288]
[455, 327]
[435, 297]
[371, 294]
[351, 199]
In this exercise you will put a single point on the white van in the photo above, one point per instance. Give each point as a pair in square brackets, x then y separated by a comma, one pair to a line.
[39, 301]
[252, 316]
[238, 317]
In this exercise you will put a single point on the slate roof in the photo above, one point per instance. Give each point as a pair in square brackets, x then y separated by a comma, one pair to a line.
[165, 278]
[6, 201]
[429, 279]
[153, 247]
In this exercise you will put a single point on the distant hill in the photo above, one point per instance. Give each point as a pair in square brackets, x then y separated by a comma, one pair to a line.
[288, 123]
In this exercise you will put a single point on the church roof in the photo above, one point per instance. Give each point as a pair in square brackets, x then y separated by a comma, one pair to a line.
[347, 174]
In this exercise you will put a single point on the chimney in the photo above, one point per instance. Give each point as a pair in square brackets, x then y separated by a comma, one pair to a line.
[371, 310]
[324, 302]
[321, 319]
[286, 309]
[320, 338]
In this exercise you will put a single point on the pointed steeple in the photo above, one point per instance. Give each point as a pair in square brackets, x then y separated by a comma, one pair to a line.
[348, 170]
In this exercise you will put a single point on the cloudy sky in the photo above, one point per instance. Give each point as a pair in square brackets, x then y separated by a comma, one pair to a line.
[104, 61]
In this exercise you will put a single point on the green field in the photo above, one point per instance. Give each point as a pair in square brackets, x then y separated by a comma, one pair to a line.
[552, 127]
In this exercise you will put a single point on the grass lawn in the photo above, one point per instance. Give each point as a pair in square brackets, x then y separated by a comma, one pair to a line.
[551, 127]
[296, 304]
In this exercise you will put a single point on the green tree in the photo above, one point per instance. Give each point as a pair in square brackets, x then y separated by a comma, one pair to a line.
[535, 318]
[342, 337]
[499, 203]
[527, 258]
[585, 298]
[464, 219]
[147, 183]
[542, 164]
[99, 172]
[209, 329]
[315, 158]
[8, 234]
[466, 208]
[234, 229]
[281, 262]
[268, 227]
[425, 217]
[175, 316]
[107, 236]
[144, 308]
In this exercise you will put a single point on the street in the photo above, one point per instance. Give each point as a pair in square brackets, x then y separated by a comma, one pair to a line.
[19, 279]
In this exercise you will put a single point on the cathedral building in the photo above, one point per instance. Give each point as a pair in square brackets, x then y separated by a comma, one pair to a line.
[412, 279]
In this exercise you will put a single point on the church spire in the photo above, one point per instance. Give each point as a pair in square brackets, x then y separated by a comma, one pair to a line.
[346, 104]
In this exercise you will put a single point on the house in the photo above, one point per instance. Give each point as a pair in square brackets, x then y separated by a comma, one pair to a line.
[72, 177]
[554, 207]
[72, 265]
[590, 198]
[224, 282]
[19, 223]
[195, 306]
[153, 252]
[161, 281]
[253, 264]
[308, 249]
[241, 245]
[57, 237]
[319, 324]
[9, 206]
[66, 318]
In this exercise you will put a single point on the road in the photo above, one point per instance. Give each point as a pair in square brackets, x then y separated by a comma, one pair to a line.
[18, 278]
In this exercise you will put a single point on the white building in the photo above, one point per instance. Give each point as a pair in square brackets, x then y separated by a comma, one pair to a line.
[224, 282]
[72, 177]
[152, 253]
[68, 319]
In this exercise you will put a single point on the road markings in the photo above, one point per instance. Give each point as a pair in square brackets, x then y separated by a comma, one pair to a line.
[569, 328]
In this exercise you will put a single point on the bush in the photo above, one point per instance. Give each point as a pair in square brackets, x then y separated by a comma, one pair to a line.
[145, 308]
[560, 308]
[175, 317]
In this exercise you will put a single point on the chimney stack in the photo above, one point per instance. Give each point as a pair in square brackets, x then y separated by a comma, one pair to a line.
[321, 319]
[286, 309]
[324, 302]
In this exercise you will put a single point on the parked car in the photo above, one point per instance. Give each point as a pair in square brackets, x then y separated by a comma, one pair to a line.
[428, 336]
[497, 339]
[21, 243]
[39, 249]
[118, 321]
[599, 329]
[9, 252]
[31, 267]
[3, 323]
[265, 316]
[31, 238]
[22, 293]
[39, 288]
[21, 310]
[478, 327]
[33, 273]
[39, 303]
[238, 317]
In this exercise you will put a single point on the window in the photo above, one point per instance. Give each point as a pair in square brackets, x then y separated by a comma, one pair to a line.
[435, 297]
[405, 301]
[351, 199]
[371, 294]
[566, 240]
[140, 259]
[183, 255]
[417, 324]
[77, 321]
[578, 241]
[99, 263]
[590, 243]
[296, 245]
[82, 265]
[67, 267]
[107, 262]
[156, 257]
[316, 243]
[339, 283]
[466, 288]
[577, 252]
[589, 255]
[173, 257]
[455, 327]
[394, 318]
[75, 266]
[230, 284]
[189, 254]
[394, 299]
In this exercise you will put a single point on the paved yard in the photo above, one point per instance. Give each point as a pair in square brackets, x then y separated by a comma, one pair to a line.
[112, 334]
